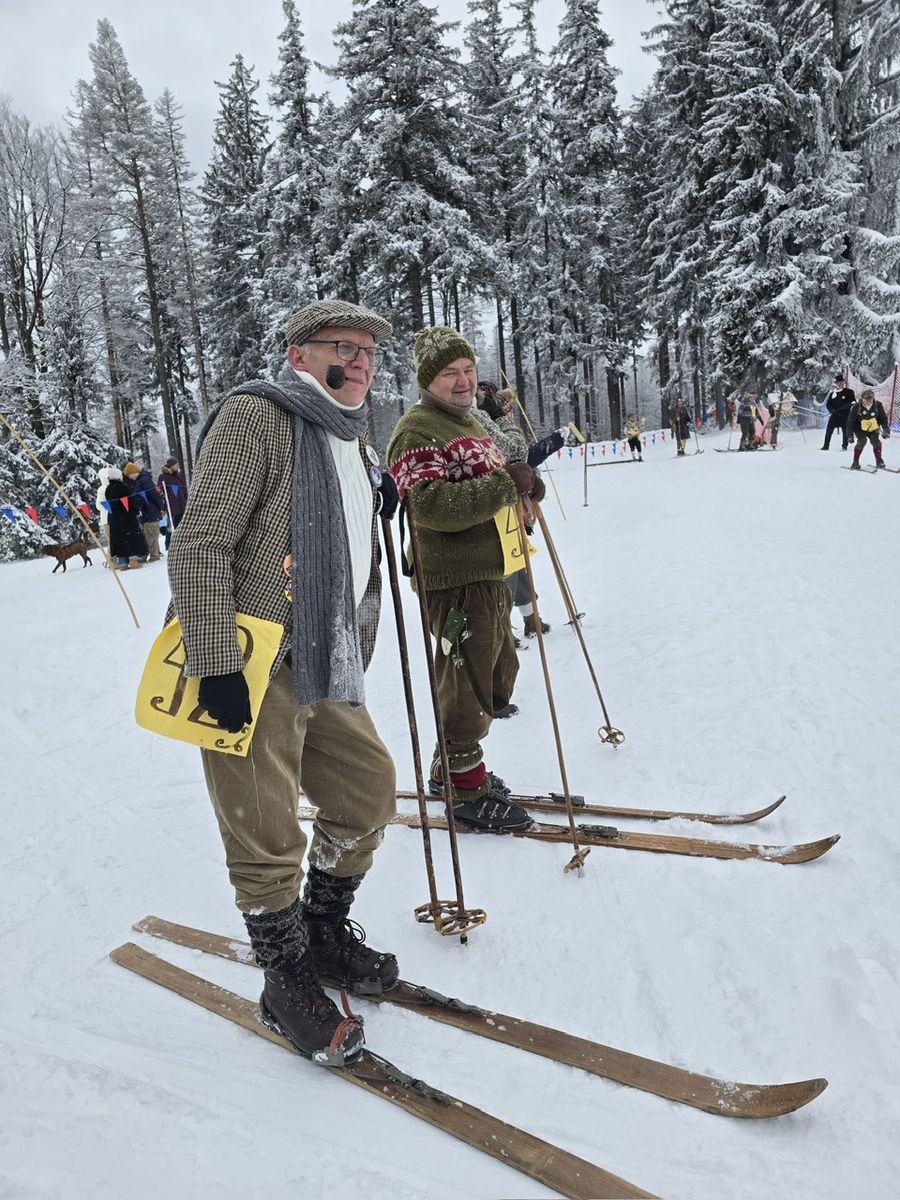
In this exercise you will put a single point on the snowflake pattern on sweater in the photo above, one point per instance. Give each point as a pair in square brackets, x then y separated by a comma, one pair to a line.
[460, 459]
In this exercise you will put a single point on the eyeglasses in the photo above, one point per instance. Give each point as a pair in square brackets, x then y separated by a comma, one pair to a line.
[348, 352]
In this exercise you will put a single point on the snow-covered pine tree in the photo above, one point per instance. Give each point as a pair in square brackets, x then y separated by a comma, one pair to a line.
[116, 123]
[293, 187]
[677, 247]
[776, 219]
[533, 278]
[585, 130]
[71, 379]
[865, 40]
[398, 203]
[497, 163]
[234, 225]
[34, 192]
[183, 203]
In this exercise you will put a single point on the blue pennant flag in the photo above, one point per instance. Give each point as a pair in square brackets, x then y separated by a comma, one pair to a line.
[106, 504]
[654, 439]
[615, 447]
[570, 452]
[593, 450]
[10, 513]
[60, 510]
[175, 488]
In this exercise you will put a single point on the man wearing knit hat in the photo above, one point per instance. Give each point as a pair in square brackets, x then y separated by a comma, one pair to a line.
[281, 525]
[457, 482]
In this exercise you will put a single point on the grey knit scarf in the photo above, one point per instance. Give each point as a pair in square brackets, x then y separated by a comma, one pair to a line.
[326, 654]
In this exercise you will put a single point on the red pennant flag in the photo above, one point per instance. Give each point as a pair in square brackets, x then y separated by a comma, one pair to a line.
[603, 449]
[663, 435]
[124, 500]
[87, 512]
[32, 512]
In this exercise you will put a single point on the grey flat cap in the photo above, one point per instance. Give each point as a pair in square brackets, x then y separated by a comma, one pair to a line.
[338, 313]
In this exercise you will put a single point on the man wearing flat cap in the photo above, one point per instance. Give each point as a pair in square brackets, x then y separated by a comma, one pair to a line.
[458, 482]
[281, 525]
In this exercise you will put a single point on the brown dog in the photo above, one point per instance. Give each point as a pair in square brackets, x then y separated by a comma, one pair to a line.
[62, 554]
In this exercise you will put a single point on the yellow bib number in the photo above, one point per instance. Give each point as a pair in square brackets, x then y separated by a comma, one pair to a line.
[168, 700]
[869, 424]
[507, 522]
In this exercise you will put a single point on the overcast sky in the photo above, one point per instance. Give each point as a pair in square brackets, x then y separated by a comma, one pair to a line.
[188, 44]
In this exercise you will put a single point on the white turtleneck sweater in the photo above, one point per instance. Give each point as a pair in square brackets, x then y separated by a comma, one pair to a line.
[356, 495]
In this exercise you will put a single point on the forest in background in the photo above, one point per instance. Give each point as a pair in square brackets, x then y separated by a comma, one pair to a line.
[738, 226]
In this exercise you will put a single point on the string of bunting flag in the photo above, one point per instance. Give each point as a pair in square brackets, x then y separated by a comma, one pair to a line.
[616, 448]
[11, 512]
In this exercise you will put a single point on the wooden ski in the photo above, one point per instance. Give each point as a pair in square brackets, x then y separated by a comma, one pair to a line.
[563, 1172]
[722, 1097]
[656, 843]
[554, 803]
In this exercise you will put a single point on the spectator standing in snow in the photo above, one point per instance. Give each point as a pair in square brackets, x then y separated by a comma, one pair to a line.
[149, 503]
[493, 409]
[463, 494]
[681, 426]
[126, 541]
[283, 482]
[839, 402]
[746, 415]
[865, 421]
[174, 492]
[633, 433]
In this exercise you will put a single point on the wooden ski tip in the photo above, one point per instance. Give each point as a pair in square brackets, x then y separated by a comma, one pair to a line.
[764, 812]
[805, 851]
[773, 1100]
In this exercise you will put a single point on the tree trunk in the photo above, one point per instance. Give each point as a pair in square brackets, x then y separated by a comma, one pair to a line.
[431, 301]
[501, 349]
[538, 384]
[517, 348]
[414, 283]
[665, 374]
[153, 300]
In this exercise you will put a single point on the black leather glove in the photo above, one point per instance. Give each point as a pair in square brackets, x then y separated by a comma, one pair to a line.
[390, 497]
[227, 700]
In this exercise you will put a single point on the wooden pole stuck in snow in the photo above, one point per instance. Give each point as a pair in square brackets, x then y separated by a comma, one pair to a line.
[76, 512]
[448, 917]
[608, 732]
[576, 863]
[452, 918]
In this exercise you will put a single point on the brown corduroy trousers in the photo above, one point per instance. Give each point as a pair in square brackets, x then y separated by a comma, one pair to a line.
[334, 754]
[470, 695]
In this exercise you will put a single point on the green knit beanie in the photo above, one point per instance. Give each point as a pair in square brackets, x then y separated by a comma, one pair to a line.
[436, 348]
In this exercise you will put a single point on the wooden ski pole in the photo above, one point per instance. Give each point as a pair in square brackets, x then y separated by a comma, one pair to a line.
[576, 863]
[456, 920]
[608, 732]
[77, 512]
[534, 437]
[444, 914]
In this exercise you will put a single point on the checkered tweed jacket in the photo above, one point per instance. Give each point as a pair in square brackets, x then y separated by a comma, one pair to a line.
[227, 554]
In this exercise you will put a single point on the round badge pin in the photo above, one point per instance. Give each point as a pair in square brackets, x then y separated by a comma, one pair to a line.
[375, 476]
[372, 455]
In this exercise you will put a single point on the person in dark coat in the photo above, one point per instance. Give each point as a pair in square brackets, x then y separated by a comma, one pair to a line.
[746, 415]
[865, 421]
[149, 505]
[681, 426]
[174, 493]
[126, 540]
[839, 402]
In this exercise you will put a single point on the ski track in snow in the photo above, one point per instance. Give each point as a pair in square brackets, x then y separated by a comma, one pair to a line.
[741, 611]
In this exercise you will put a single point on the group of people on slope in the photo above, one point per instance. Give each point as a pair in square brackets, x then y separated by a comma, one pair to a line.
[864, 420]
[136, 509]
[285, 482]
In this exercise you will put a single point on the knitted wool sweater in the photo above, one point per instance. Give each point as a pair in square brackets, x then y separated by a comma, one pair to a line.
[442, 458]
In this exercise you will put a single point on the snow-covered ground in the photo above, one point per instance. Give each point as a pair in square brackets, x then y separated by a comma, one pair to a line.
[742, 613]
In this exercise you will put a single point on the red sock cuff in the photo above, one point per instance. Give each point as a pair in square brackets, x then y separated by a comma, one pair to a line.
[468, 780]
